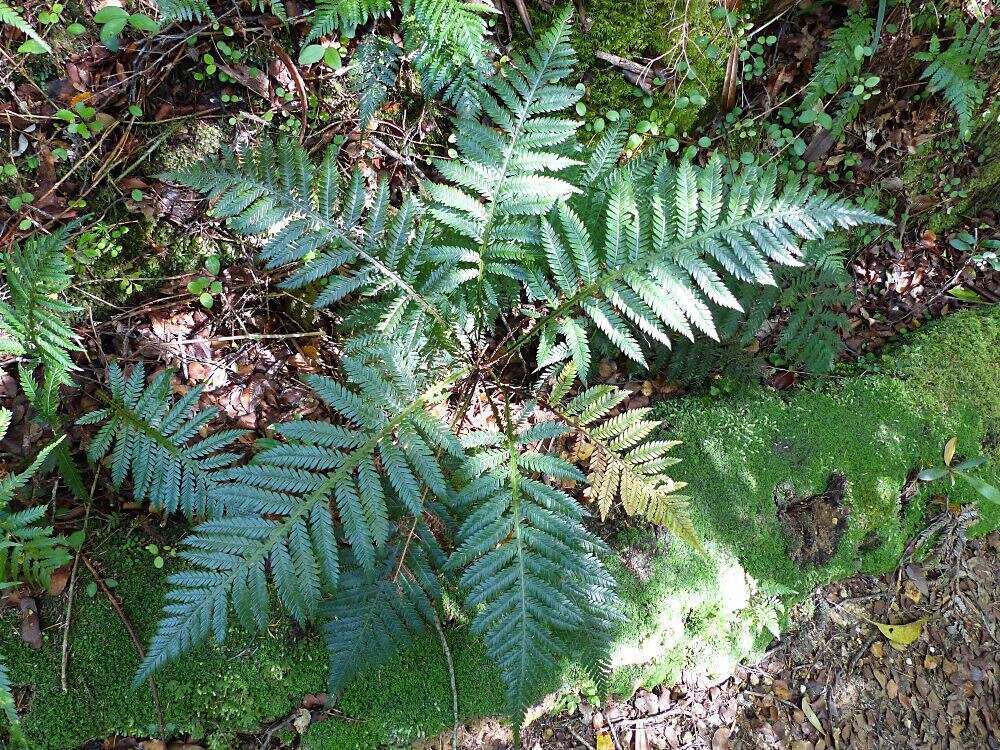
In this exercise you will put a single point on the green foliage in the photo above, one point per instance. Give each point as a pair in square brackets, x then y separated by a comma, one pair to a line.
[374, 68]
[531, 571]
[346, 518]
[184, 10]
[378, 468]
[33, 322]
[952, 71]
[659, 266]
[333, 236]
[962, 470]
[10, 17]
[156, 440]
[507, 175]
[29, 552]
[839, 65]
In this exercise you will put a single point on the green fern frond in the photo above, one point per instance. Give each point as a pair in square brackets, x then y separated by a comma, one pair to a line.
[43, 395]
[346, 15]
[952, 72]
[323, 484]
[531, 572]
[374, 68]
[849, 46]
[29, 552]
[331, 233]
[10, 17]
[509, 173]
[185, 10]
[640, 273]
[623, 464]
[377, 609]
[155, 439]
[9, 708]
[33, 320]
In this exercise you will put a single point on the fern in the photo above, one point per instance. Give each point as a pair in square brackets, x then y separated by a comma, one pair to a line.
[641, 273]
[326, 483]
[29, 552]
[9, 708]
[10, 17]
[374, 68]
[623, 464]
[531, 571]
[33, 321]
[43, 395]
[346, 15]
[155, 440]
[850, 44]
[323, 231]
[186, 10]
[952, 72]
[507, 175]
[377, 609]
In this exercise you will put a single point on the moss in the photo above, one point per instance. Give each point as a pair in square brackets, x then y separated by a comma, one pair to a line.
[211, 694]
[189, 145]
[684, 610]
[648, 29]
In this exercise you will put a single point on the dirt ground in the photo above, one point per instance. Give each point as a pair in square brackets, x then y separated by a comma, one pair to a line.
[834, 680]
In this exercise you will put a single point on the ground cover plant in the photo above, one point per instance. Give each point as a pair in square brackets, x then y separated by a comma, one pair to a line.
[409, 340]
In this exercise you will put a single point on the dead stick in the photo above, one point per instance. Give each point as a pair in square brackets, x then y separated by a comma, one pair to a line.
[120, 611]
[72, 587]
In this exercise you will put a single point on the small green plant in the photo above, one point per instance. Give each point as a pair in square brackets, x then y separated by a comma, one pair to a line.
[113, 20]
[81, 120]
[206, 288]
[961, 471]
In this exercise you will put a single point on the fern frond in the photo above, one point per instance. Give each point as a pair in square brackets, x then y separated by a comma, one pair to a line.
[185, 10]
[376, 610]
[841, 61]
[329, 232]
[29, 552]
[9, 708]
[531, 572]
[952, 72]
[33, 321]
[43, 395]
[641, 273]
[346, 15]
[325, 483]
[509, 173]
[624, 464]
[374, 68]
[156, 440]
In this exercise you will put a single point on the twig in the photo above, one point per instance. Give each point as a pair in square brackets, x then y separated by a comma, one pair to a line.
[451, 679]
[120, 611]
[300, 87]
[250, 336]
[72, 588]
[579, 738]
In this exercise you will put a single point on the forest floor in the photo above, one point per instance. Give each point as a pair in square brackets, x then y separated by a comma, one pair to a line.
[833, 679]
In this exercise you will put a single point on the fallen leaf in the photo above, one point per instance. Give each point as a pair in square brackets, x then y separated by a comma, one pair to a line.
[302, 720]
[720, 740]
[604, 741]
[31, 631]
[58, 581]
[807, 709]
[901, 636]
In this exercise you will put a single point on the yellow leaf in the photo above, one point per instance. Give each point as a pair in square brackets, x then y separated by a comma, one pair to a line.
[949, 450]
[807, 709]
[901, 636]
[604, 741]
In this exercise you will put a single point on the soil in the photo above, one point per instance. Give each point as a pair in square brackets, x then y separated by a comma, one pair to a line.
[814, 524]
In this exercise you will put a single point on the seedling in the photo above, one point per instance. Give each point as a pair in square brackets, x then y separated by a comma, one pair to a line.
[961, 470]
[113, 21]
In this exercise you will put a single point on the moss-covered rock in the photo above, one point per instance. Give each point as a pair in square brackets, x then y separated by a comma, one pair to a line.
[684, 610]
